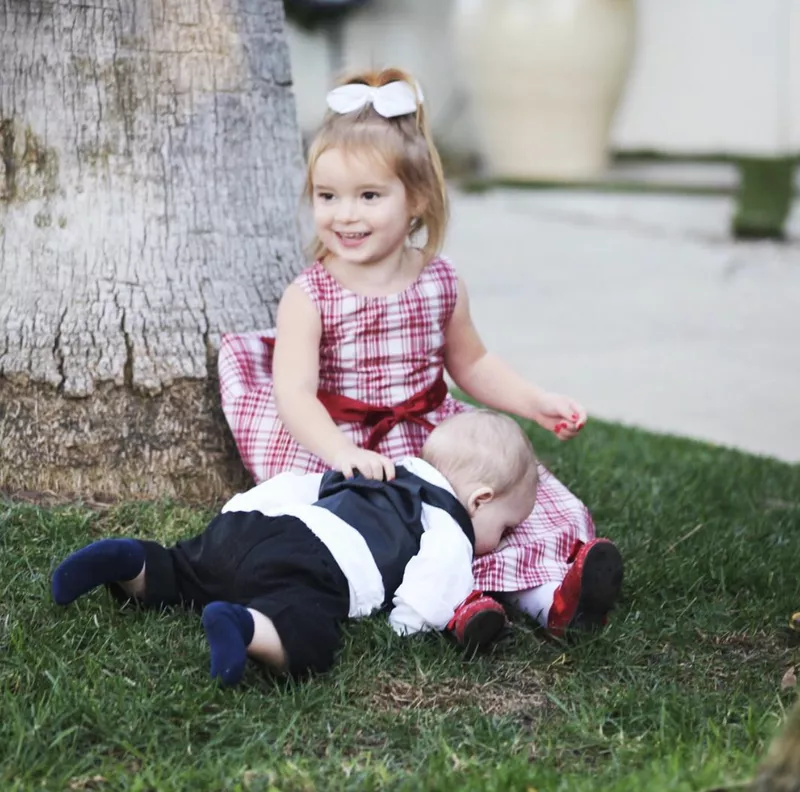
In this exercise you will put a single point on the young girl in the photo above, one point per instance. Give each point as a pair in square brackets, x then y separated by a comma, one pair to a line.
[352, 376]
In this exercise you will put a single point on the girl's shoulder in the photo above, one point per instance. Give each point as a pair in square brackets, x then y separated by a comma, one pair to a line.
[438, 281]
[309, 273]
[440, 275]
[315, 282]
[440, 267]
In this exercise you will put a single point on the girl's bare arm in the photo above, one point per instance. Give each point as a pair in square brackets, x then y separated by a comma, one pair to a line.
[493, 382]
[296, 376]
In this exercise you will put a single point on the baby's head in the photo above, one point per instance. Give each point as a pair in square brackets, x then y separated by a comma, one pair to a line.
[361, 162]
[491, 465]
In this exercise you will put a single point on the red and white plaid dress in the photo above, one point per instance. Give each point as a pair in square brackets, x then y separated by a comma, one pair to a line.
[383, 350]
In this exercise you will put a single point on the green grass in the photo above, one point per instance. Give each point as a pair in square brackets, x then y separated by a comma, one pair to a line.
[681, 692]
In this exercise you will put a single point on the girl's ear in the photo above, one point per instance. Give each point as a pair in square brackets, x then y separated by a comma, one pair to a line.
[418, 208]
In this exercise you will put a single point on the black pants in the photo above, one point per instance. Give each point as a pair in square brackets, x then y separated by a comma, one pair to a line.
[274, 565]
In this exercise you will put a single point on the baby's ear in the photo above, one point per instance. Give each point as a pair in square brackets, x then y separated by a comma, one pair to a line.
[479, 497]
[486, 495]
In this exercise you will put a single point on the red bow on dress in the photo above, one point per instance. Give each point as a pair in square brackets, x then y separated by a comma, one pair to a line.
[382, 419]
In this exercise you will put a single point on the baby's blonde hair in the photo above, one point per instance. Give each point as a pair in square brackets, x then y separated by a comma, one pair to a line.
[403, 143]
[482, 447]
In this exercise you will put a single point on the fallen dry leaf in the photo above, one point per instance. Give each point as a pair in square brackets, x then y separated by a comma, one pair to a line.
[789, 679]
[87, 782]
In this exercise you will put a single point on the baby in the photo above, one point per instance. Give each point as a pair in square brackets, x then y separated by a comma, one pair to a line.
[284, 564]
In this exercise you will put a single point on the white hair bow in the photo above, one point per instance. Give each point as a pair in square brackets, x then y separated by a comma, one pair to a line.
[393, 99]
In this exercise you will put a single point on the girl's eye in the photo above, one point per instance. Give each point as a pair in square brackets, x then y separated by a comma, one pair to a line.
[325, 196]
[370, 195]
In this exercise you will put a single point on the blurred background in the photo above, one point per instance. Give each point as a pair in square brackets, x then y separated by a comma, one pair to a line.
[642, 150]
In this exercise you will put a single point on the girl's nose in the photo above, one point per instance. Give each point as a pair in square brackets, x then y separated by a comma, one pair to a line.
[346, 210]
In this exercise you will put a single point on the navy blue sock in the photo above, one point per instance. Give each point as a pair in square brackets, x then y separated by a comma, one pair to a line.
[229, 629]
[106, 561]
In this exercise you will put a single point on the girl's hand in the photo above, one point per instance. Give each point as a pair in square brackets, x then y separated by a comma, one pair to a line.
[368, 463]
[560, 415]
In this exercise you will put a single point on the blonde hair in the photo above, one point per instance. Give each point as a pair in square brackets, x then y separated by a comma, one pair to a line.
[403, 143]
[482, 447]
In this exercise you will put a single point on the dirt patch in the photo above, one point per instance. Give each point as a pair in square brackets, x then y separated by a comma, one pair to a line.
[507, 695]
[50, 499]
[756, 642]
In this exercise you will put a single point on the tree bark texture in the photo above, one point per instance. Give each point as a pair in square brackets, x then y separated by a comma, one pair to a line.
[150, 169]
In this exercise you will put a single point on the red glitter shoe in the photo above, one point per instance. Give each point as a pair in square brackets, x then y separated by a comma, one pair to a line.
[589, 590]
[477, 622]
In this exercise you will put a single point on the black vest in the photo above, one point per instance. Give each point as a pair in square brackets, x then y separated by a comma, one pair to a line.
[388, 514]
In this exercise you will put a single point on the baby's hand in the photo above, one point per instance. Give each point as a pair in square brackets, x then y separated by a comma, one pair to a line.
[561, 415]
[368, 463]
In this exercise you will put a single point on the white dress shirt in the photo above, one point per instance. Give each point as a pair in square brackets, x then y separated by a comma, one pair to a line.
[436, 580]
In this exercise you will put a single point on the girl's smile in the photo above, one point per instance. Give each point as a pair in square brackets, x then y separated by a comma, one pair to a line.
[351, 240]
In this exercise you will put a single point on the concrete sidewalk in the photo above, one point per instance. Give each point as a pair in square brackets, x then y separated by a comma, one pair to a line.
[641, 307]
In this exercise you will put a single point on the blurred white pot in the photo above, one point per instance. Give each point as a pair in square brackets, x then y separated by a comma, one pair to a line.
[544, 78]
